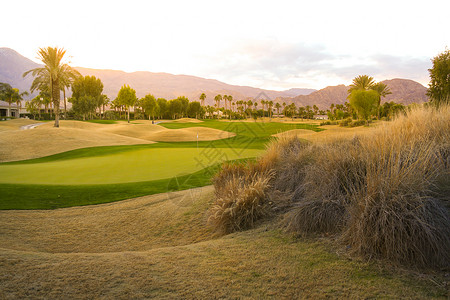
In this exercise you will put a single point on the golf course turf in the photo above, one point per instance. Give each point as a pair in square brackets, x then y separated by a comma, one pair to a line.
[106, 174]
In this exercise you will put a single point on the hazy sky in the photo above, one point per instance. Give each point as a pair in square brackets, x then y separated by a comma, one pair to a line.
[267, 44]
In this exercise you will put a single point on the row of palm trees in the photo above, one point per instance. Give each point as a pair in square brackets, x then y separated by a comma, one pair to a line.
[56, 75]
[249, 108]
[241, 106]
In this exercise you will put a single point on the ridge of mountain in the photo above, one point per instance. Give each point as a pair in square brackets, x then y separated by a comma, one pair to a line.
[169, 86]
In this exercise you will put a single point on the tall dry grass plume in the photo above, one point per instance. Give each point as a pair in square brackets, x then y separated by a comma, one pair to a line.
[242, 199]
[384, 194]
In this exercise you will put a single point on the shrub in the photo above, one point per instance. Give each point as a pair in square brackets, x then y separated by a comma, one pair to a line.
[345, 122]
[386, 192]
[241, 198]
[328, 123]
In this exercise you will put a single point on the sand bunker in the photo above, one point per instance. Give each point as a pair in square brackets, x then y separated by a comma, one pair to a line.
[47, 140]
[189, 134]
[331, 133]
[185, 120]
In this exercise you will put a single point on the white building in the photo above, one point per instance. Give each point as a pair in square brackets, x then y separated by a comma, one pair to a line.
[10, 111]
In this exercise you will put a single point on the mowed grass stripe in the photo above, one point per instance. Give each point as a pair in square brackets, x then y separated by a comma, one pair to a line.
[125, 167]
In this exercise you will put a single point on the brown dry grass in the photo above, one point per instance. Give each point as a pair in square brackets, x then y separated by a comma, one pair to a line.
[132, 225]
[158, 247]
[241, 198]
[385, 190]
[15, 124]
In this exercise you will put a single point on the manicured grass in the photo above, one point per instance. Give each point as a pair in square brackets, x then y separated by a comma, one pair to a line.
[131, 166]
[122, 164]
[248, 134]
[34, 196]
[102, 121]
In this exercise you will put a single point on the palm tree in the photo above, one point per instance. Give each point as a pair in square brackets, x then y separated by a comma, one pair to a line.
[202, 99]
[278, 106]
[361, 82]
[8, 95]
[54, 71]
[19, 99]
[382, 90]
[65, 82]
[225, 98]
[218, 98]
[250, 104]
[263, 103]
[270, 104]
[230, 99]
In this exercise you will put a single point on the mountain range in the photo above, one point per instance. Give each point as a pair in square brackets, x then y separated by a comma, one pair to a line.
[169, 86]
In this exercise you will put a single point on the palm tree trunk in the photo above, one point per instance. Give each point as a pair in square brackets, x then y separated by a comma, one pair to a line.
[65, 104]
[55, 96]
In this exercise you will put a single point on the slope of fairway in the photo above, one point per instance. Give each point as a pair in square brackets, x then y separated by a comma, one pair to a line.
[158, 247]
[46, 140]
[15, 124]
[130, 166]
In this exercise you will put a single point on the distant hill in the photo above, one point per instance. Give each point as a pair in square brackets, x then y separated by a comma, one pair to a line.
[163, 85]
[12, 66]
[404, 91]
[169, 86]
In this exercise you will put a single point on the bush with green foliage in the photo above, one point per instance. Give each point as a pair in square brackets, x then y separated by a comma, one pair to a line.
[439, 87]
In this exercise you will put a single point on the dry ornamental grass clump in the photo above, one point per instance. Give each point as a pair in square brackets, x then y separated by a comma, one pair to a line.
[241, 198]
[385, 194]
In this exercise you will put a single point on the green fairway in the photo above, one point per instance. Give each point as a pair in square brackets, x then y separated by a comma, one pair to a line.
[130, 166]
[110, 173]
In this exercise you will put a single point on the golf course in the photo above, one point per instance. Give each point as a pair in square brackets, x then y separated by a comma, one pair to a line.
[95, 163]
[65, 232]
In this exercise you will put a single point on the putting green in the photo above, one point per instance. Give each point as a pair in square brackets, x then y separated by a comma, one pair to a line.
[131, 166]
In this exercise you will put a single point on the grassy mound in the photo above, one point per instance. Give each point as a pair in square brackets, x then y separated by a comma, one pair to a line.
[384, 193]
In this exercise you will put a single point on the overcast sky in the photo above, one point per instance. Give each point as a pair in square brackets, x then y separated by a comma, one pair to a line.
[268, 44]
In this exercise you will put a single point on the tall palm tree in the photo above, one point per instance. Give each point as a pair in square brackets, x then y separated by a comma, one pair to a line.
[19, 99]
[361, 82]
[202, 99]
[225, 99]
[278, 106]
[263, 103]
[218, 98]
[65, 83]
[54, 70]
[382, 90]
[269, 109]
[230, 99]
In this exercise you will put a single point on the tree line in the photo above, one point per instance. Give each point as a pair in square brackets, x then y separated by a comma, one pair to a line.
[88, 100]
